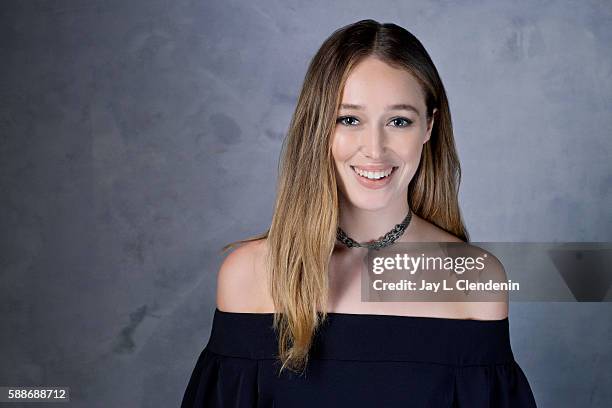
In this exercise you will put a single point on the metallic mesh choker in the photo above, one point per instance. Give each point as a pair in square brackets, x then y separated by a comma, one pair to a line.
[389, 238]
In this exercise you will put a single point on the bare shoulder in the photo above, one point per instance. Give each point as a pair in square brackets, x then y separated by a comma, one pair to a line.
[481, 310]
[487, 310]
[493, 310]
[241, 283]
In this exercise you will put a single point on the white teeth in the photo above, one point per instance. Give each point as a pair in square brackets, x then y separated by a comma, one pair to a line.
[373, 175]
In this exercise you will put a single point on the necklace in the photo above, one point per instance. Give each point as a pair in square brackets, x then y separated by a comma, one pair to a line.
[389, 238]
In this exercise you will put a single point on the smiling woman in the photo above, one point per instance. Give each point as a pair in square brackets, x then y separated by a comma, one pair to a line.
[369, 160]
[377, 144]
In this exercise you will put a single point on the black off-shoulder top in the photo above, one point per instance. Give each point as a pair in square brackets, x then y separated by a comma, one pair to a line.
[361, 360]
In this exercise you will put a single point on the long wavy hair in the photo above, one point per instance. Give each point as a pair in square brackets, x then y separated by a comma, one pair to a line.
[302, 234]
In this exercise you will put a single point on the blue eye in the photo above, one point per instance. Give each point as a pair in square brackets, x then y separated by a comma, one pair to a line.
[345, 120]
[401, 122]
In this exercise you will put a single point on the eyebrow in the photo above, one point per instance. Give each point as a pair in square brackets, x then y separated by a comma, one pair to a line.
[399, 106]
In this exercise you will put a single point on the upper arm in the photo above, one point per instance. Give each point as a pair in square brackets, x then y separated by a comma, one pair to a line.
[497, 308]
[237, 282]
[233, 279]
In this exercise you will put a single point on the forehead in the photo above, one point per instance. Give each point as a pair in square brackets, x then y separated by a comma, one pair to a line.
[373, 83]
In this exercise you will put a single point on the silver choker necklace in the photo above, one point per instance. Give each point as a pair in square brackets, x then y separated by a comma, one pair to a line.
[389, 238]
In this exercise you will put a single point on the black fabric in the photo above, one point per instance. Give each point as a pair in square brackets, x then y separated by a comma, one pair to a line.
[361, 360]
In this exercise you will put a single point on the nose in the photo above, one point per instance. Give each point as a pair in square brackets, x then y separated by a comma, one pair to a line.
[373, 143]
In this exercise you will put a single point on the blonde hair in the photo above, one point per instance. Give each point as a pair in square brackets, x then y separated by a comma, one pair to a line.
[302, 234]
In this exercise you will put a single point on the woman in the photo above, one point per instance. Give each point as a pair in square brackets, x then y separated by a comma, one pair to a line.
[369, 160]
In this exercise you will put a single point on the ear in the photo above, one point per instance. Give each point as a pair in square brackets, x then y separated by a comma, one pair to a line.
[430, 124]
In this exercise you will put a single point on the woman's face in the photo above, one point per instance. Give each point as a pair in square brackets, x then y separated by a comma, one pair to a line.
[379, 135]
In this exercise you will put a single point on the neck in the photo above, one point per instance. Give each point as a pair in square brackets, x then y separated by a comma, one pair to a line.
[370, 225]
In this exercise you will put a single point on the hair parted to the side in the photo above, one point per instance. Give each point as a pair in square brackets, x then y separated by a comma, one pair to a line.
[302, 234]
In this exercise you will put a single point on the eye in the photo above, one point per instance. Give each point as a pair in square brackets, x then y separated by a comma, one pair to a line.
[347, 120]
[401, 122]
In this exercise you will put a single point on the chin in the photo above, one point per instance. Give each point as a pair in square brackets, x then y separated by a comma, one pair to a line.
[368, 203]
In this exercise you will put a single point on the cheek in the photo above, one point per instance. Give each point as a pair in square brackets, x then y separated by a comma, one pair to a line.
[409, 148]
[342, 147]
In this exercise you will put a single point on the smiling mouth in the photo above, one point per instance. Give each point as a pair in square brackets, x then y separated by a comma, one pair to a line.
[374, 175]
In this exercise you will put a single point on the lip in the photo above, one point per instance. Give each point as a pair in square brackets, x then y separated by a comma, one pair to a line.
[374, 184]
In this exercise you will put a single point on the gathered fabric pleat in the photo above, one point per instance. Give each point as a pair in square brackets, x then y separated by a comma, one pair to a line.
[222, 382]
[500, 385]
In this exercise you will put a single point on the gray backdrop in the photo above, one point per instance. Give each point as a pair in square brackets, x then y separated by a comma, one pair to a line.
[137, 137]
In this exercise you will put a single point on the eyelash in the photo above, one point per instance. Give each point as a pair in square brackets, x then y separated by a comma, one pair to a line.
[406, 120]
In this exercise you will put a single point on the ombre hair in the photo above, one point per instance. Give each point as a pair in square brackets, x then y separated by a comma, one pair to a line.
[302, 234]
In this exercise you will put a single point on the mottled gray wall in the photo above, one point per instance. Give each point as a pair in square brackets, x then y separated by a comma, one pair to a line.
[136, 137]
